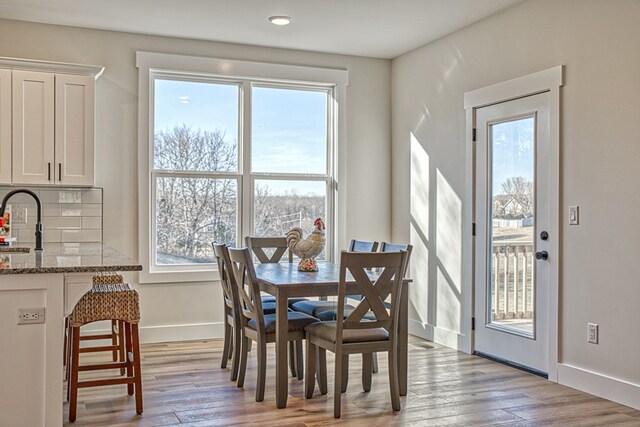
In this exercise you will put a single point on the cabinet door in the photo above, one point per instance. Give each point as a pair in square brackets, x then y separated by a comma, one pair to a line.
[5, 126]
[33, 126]
[74, 130]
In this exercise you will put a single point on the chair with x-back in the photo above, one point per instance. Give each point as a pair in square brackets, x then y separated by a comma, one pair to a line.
[359, 332]
[232, 333]
[255, 325]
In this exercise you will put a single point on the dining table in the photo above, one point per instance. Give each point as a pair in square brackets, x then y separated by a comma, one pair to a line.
[284, 280]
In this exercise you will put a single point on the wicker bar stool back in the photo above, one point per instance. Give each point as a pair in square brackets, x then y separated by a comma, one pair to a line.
[106, 301]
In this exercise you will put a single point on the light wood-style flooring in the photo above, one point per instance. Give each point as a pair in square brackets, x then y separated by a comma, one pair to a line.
[184, 385]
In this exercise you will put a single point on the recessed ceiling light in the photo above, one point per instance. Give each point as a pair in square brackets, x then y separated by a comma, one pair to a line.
[280, 20]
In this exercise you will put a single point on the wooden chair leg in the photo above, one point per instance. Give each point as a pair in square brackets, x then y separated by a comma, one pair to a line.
[235, 364]
[394, 385]
[299, 360]
[292, 359]
[128, 348]
[73, 377]
[226, 347]
[374, 364]
[243, 360]
[136, 367]
[366, 371]
[262, 370]
[310, 374]
[322, 369]
[337, 384]
[345, 373]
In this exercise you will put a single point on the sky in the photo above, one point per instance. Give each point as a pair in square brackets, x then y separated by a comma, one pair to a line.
[513, 151]
[289, 126]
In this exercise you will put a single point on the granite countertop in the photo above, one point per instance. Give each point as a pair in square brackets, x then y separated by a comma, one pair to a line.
[66, 258]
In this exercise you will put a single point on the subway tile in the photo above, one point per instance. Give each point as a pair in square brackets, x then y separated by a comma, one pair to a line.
[91, 223]
[92, 195]
[91, 209]
[50, 209]
[81, 235]
[26, 236]
[50, 196]
[71, 209]
[70, 196]
[62, 222]
[52, 236]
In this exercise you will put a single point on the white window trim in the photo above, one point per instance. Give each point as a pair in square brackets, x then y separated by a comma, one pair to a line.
[148, 62]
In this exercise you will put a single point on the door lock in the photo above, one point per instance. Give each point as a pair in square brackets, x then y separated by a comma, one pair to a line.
[544, 235]
[543, 255]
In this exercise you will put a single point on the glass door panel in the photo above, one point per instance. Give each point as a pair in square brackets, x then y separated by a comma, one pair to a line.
[511, 193]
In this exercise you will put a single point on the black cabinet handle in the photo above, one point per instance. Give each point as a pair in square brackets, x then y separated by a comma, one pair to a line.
[49, 171]
[543, 255]
[59, 171]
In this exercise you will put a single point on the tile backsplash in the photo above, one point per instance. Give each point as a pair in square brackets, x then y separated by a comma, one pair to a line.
[69, 215]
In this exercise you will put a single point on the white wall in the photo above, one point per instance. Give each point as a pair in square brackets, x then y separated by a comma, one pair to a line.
[597, 41]
[193, 310]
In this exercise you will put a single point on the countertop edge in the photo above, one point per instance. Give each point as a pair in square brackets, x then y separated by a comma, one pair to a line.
[83, 269]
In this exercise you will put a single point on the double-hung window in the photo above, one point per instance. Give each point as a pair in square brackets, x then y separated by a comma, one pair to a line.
[230, 156]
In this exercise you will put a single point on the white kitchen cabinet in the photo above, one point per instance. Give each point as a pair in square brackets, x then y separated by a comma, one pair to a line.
[50, 110]
[52, 128]
[5, 125]
[33, 127]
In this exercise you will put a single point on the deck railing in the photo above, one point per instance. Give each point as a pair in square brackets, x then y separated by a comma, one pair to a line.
[512, 278]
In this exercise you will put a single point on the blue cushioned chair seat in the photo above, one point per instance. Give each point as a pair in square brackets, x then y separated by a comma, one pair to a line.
[329, 315]
[297, 322]
[312, 308]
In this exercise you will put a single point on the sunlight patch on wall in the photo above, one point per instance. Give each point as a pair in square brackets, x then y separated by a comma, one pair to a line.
[449, 255]
[419, 271]
[419, 186]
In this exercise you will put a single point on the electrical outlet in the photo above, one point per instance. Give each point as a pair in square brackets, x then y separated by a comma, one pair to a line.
[19, 216]
[30, 315]
[592, 333]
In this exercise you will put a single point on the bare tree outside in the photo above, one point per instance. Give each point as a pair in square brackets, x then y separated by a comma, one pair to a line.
[519, 191]
[194, 211]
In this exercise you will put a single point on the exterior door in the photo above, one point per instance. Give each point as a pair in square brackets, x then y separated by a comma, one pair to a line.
[512, 216]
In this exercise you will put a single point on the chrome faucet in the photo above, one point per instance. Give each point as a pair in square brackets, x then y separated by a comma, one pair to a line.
[39, 212]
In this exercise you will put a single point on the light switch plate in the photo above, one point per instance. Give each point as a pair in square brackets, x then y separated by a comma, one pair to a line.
[574, 215]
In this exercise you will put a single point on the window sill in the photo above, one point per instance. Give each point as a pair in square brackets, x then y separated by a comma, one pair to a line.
[148, 276]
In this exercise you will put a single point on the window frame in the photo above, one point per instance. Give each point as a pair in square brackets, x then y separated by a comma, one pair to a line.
[246, 75]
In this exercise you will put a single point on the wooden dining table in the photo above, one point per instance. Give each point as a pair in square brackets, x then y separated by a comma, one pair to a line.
[283, 281]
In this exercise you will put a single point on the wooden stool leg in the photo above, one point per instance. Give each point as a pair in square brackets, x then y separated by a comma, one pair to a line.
[121, 338]
[73, 380]
[114, 339]
[66, 340]
[136, 369]
[127, 343]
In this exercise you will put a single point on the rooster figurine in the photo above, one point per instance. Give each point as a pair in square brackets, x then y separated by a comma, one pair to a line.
[307, 249]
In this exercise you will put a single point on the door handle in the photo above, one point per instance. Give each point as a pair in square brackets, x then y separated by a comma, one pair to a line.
[543, 255]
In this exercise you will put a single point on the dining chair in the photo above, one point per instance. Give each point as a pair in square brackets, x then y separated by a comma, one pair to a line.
[271, 250]
[325, 310]
[255, 325]
[355, 333]
[231, 347]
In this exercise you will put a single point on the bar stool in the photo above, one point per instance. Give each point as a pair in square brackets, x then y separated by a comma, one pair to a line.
[106, 302]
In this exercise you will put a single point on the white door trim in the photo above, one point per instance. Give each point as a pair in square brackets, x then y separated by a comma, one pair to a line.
[549, 80]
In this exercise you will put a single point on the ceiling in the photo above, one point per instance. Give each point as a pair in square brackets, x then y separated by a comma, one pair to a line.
[373, 28]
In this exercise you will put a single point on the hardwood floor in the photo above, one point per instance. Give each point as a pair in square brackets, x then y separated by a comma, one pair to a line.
[184, 385]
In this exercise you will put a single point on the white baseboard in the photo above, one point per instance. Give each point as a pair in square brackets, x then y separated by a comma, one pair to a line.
[170, 333]
[420, 329]
[188, 332]
[441, 336]
[614, 389]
